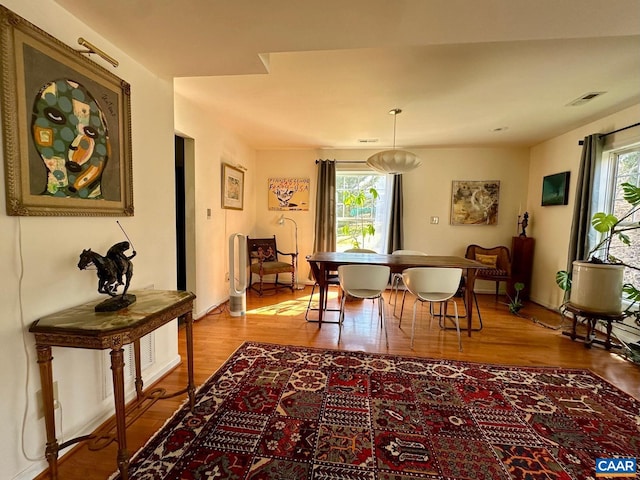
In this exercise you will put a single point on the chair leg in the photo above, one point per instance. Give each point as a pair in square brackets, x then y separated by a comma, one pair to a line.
[313, 289]
[396, 282]
[497, 289]
[455, 310]
[475, 300]
[394, 279]
[383, 323]
[413, 323]
[404, 294]
[341, 317]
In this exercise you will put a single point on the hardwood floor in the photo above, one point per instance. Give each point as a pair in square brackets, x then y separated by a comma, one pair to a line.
[505, 339]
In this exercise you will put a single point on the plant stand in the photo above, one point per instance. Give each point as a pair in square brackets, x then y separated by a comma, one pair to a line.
[591, 319]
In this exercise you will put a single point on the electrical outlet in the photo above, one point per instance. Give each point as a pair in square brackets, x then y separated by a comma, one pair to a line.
[40, 402]
[435, 220]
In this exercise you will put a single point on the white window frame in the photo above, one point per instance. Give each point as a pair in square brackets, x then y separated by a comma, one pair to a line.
[607, 181]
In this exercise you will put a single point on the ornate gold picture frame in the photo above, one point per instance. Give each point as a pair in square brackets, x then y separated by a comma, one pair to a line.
[66, 125]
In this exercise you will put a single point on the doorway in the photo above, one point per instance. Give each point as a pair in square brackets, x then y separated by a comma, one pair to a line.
[185, 219]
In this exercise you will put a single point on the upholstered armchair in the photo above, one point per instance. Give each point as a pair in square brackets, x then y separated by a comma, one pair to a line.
[264, 260]
[498, 259]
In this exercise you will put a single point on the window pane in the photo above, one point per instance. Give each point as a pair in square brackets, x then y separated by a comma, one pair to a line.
[361, 218]
[626, 170]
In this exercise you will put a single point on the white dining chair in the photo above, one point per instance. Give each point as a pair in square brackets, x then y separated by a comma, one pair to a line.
[366, 282]
[433, 285]
[396, 278]
[332, 280]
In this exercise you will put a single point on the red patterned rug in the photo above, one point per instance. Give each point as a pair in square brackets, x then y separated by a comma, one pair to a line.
[282, 412]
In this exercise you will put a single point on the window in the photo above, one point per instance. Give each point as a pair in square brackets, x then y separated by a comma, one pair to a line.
[362, 218]
[622, 165]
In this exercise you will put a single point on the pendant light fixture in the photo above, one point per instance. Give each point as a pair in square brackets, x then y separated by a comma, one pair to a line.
[394, 161]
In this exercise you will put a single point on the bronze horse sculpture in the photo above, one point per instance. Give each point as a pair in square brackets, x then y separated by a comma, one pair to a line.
[114, 269]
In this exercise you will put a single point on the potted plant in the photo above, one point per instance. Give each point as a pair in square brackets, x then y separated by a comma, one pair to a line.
[515, 304]
[605, 295]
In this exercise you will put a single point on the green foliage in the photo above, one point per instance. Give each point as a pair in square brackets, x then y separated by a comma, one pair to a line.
[515, 304]
[563, 279]
[612, 228]
[362, 204]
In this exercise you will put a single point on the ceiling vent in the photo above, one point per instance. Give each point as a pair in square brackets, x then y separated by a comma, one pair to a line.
[587, 97]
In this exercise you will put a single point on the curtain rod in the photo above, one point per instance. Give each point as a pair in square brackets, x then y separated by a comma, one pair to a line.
[581, 142]
[345, 161]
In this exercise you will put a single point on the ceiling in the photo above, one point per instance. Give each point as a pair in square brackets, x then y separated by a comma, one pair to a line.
[287, 74]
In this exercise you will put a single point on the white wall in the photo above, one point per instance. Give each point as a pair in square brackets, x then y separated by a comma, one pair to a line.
[214, 145]
[38, 258]
[552, 225]
[427, 192]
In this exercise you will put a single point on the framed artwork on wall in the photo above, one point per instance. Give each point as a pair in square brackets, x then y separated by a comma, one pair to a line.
[66, 125]
[555, 189]
[475, 202]
[288, 194]
[232, 187]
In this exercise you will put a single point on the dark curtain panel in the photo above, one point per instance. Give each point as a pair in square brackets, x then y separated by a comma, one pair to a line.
[581, 225]
[395, 239]
[325, 226]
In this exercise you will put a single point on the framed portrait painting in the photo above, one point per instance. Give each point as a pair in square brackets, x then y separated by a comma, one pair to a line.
[475, 202]
[66, 128]
[555, 189]
[232, 187]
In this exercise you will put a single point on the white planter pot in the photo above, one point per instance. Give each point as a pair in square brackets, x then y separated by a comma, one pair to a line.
[597, 287]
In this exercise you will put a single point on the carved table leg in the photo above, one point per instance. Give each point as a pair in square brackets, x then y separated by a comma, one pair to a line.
[46, 381]
[117, 367]
[138, 382]
[191, 388]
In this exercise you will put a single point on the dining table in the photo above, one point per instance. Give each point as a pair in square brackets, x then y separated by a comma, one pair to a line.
[322, 263]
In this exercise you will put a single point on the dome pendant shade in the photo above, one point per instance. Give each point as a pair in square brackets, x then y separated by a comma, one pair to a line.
[394, 161]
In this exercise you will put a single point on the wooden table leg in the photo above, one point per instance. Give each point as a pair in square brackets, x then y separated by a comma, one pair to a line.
[138, 382]
[191, 387]
[117, 372]
[471, 280]
[320, 274]
[46, 382]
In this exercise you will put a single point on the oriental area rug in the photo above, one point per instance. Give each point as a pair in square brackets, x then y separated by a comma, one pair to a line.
[282, 412]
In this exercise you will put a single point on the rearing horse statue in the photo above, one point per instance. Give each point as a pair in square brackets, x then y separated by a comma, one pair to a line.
[114, 269]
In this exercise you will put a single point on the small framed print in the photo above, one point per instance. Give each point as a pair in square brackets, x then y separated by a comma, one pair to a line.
[232, 187]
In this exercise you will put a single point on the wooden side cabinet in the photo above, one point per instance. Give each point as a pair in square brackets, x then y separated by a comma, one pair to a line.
[521, 265]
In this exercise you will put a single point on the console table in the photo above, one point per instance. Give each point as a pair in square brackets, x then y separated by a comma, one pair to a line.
[82, 327]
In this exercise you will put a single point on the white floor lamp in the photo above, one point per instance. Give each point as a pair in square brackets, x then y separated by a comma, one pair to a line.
[281, 220]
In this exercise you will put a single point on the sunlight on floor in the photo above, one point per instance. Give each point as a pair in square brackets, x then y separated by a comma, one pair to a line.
[291, 308]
